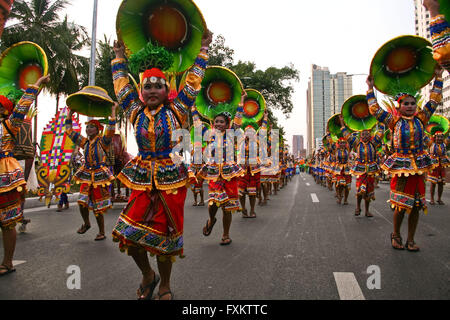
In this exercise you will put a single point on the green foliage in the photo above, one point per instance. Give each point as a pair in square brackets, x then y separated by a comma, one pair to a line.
[275, 84]
[151, 56]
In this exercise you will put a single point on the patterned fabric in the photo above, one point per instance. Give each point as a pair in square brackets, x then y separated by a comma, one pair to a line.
[94, 170]
[145, 222]
[97, 199]
[153, 130]
[408, 192]
[11, 174]
[223, 193]
[440, 37]
[365, 186]
[11, 208]
[366, 161]
[409, 155]
[437, 175]
[249, 183]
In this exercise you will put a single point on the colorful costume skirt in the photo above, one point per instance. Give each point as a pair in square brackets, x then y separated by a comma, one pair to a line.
[408, 192]
[11, 208]
[398, 164]
[249, 184]
[437, 175]
[97, 199]
[223, 193]
[365, 186]
[153, 220]
[100, 176]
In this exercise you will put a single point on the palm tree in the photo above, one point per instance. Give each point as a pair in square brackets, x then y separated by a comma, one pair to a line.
[39, 21]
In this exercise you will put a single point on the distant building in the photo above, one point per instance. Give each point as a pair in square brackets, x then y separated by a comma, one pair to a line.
[423, 30]
[326, 94]
[297, 145]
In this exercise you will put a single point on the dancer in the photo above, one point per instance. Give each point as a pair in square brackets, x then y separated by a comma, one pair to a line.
[365, 166]
[222, 177]
[94, 176]
[250, 183]
[153, 219]
[341, 170]
[12, 179]
[410, 161]
[438, 151]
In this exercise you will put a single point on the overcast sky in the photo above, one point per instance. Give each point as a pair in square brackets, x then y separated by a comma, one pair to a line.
[342, 35]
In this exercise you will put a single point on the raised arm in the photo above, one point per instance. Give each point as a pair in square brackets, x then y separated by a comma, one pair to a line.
[21, 109]
[126, 93]
[237, 123]
[435, 97]
[381, 115]
[76, 137]
[186, 97]
[111, 126]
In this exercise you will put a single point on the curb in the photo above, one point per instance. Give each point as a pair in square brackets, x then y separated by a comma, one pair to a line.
[35, 203]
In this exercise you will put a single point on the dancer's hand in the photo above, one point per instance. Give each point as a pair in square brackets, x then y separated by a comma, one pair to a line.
[438, 70]
[369, 82]
[42, 80]
[207, 38]
[119, 49]
[432, 6]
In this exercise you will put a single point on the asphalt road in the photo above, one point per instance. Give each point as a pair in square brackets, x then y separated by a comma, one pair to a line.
[301, 246]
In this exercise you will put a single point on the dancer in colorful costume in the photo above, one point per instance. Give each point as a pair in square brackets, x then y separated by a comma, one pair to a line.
[154, 217]
[341, 170]
[365, 166]
[94, 176]
[12, 179]
[250, 183]
[437, 147]
[222, 177]
[410, 161]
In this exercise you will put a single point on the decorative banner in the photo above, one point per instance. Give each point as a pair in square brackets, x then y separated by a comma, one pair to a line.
[355, 112]
[5, 8]
[205, 128]
[403, 64]
[437, 123]
[21, 65]
[221, 91]
[177, 25]
[254, 105]
[56, 153]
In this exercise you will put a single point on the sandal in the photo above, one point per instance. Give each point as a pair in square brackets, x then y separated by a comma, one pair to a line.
[208, 228]
[398, 241]
[195, 204]
[244, 213]
[83, 229]
[8, 270]
[225, 241]
[253, 215]
[151, 286]
[432, 202]
[201, 204]
[100, 237]
[440, 202]
[165, 294]
[357, 212]
[369, 215]
[411, 246]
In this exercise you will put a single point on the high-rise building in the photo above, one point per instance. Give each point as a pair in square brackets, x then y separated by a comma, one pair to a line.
[297, 145]
[423, 30]
[326, 94]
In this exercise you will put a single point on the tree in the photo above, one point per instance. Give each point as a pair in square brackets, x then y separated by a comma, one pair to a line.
[275, 84]
[38, 21]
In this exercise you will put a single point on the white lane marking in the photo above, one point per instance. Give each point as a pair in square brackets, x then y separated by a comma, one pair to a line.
[314, 197]
[347, 286]
[378, 213]
[308, 184]
[17, 262]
